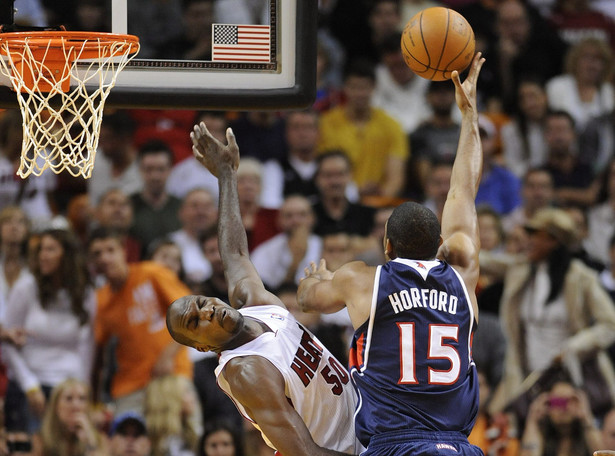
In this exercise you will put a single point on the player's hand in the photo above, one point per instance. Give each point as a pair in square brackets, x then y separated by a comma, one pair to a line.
[212, 153]
[465, 93]
[319, 272]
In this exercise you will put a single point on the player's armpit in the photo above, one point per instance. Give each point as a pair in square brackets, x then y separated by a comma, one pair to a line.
[459, 250]
[248, 292]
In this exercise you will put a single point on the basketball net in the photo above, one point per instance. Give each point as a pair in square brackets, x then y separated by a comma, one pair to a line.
[62, 80]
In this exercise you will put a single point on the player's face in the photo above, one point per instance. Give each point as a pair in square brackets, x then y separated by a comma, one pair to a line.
[208, 322]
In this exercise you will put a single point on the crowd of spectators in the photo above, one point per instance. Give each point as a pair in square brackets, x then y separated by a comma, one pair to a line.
[88, 268]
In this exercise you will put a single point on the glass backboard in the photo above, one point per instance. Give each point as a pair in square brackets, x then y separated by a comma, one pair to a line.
[202, 54]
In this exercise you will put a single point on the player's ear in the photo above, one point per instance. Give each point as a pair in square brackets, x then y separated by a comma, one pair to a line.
[388, 248]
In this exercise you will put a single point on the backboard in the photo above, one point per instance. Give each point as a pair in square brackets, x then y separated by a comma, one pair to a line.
[266, 61]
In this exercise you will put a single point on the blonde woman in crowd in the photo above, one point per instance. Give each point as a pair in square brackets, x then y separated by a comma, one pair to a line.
[173, 416]
[68, 429]
[586, 92]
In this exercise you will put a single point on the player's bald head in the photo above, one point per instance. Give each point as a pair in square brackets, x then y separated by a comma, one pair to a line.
[175, 310]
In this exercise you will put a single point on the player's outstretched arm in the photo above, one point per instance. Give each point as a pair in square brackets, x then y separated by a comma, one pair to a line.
[459, 222]
[244, 284]
[326, 292]
[260, 389]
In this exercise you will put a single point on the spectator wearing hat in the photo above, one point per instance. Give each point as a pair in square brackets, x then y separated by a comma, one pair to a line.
[553, 308]
[129, 436]
[499, 187]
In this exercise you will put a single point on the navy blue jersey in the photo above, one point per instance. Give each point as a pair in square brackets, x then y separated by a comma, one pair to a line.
[411, 361]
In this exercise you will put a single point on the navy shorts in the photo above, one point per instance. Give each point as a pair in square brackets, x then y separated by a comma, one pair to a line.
[421, 443]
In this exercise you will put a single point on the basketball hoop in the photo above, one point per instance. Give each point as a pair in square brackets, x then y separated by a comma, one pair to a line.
[50, 72]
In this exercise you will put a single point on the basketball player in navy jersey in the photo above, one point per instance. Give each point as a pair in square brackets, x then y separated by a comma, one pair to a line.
[278, 374]
[414, 316]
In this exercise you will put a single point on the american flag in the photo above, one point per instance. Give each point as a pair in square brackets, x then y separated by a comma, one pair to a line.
[241, 43]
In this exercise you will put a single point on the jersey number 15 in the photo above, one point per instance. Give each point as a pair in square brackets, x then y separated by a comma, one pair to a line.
[437, 349]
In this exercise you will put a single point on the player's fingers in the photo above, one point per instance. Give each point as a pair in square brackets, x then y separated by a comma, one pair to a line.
[194, 135]
[197, 153]
[477, 65]
[206, 131]
[230, 137]
[455, 78]
[200, 129]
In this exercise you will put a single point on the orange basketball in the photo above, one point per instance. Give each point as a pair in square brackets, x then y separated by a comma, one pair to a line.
[437, 41]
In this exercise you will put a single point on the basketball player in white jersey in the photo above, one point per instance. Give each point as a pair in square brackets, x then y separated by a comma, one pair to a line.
[278, 374]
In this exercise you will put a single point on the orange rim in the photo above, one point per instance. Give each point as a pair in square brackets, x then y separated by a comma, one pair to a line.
[90, 42]
[56, 51]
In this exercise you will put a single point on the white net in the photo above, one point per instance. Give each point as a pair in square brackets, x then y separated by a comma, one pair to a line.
[62, 83]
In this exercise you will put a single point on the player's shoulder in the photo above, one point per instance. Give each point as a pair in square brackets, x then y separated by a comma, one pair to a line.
[458, 249]
[241, 371]
[355, 273]
[356, 267]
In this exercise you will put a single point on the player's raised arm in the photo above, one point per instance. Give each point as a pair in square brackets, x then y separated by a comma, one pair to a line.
[459, 222]
[244, 284]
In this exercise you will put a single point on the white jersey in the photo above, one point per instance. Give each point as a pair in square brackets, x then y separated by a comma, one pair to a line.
[317, 384]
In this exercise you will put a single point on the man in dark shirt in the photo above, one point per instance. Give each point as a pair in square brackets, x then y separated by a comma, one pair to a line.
[572, 178]
[334, 212]
[300, 165]
[155, 211]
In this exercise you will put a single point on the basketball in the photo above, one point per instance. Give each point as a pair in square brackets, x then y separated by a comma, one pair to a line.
[437, 41]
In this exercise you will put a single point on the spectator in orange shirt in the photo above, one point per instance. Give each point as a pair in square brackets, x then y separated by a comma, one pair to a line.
[132, 307]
